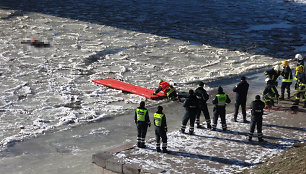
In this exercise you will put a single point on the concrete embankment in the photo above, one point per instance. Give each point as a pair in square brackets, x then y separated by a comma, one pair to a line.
[212, 151]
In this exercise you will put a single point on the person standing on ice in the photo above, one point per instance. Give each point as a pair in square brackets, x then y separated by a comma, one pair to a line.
[160, 129]
[220, 102]
[142, 121]
[202, 96]
[257, 107]
[287, 79]
[191, 105]
[167, 89]
[241, 90]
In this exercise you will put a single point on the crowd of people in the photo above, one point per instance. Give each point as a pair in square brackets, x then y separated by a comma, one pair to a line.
[196, 102]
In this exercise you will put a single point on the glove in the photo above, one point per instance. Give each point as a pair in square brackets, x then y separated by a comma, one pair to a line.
[154, 93]
[136, 122]
[149, 124]
[166, 130]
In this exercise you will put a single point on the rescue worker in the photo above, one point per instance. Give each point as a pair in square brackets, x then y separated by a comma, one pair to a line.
[220, 102]
[300, 62]
[300, 86]
[287, 79]
[241, 90]
[257, 107]
[168, 89]
[160, 129]
[142, 121]
[202, 96]
[273, 74]
[191, 105]
[270, 93]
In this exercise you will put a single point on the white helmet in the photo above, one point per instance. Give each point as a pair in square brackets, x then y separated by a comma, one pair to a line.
[277, 68]
[299, 56]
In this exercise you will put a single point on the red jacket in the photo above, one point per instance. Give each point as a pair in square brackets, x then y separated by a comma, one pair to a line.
[164, 86]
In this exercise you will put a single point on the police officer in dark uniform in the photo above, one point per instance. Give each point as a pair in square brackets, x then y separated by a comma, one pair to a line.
[241, 90]
[142, 121]
[287, 80]
[219, 110]
[191, 104]
[257, 107]
[160, 129]
[202, 96]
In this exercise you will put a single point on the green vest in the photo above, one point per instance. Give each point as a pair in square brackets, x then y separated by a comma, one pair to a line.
[158, 119]
[221, 99]
[141, 113]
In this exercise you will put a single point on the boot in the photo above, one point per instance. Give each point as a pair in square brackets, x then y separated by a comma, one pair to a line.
[138, 144]
[165, 150]
[199, 126]
[191, 133]
[288, 95]
[208, 126]
[296, 102]
[261, 139]
[282, 97]
[182, 131]
[158, 149]
[142, 145]
[250, 138]
[304, 106]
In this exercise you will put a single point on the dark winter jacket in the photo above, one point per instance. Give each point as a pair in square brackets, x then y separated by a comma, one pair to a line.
[191, 103]
[287, 74]
[202, 95]
[241, 90]
[272, 74]
[257, 107]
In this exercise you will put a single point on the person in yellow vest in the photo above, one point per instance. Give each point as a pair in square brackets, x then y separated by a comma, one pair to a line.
[287, 79]
[220, 102]
[160, 129]
[300, 86]
[142, 121]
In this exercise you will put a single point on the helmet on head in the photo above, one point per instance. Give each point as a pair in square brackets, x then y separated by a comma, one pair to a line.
[299, 69]
[285, 63]
[160, 81]
[299, 56]
[277, 68]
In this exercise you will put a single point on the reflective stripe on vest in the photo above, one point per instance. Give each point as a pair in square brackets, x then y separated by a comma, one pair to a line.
[289, 79]
[170, 91]
[141, 113]
[158, 119]
[221, 99]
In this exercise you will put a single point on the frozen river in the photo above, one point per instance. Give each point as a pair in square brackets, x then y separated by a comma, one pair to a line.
[46, 90]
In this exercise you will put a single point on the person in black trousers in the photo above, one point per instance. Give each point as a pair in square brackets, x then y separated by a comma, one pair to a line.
[160, 129]
[220, 102]
[191, 104]
[257, 107]
[142, 121]
[202, 96]
[241, 90]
